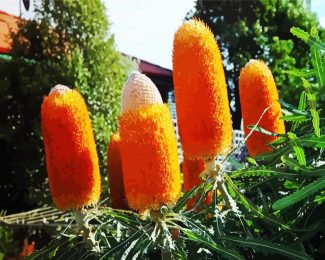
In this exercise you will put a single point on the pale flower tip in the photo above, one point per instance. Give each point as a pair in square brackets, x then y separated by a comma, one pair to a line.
[139, 91]
[60, 89]
[251, 61]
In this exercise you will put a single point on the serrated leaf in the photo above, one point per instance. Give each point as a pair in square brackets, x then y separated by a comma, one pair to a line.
[301, 107]
[225, 252]
[302, 101]
[313, 141]
[188, 195]
[292, 108]
[293, 164]
[297, 73]
[307, 38]
[317, 64]
[300, 194]
[319, 199]
[312, 105]
[52, 248]
[263, 171]
[265, 247]
[247, 204]
[299, 151]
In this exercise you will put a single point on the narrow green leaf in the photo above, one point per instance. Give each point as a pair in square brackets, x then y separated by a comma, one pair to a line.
[312, 105]
[310, 171]
[292, 108]
[301, 107]
[313, 141]
[295, 118]
[247, 204]
[307, 38]
[300, 194]
[297, 73]
[188, 195]
[225, 252]
[263, 171]
[319, 199]
[317, 64]
[299, 151]
[265, 247]
[302, 101]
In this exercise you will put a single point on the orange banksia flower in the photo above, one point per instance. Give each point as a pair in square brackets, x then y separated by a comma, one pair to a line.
[202, 106]
[115, 175]
[71, 157]
[191, 174]
[148, 148]
[257, 92]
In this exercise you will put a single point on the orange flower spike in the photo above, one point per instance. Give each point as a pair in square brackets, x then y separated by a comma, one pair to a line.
[148, 147]
[115, 175]
[71, 157]
[191, 173]
[203, 112]
[257, 92]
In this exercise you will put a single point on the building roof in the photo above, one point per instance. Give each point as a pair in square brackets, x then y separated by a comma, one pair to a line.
[8, 24]
[153, 69]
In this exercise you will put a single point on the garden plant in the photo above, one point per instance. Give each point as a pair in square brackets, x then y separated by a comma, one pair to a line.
[270, 204]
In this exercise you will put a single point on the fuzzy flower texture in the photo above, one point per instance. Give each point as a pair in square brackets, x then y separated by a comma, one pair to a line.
[258, 92]
[71, 157]
[148, 147]
[203, 112]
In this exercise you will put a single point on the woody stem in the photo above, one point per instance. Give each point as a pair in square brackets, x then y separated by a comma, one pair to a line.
[85, 229]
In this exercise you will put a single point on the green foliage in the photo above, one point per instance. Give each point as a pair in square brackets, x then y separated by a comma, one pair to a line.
[67, 43]
[261, 30]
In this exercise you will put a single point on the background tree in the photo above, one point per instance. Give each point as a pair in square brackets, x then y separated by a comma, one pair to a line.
[68, 43]
[259, 29]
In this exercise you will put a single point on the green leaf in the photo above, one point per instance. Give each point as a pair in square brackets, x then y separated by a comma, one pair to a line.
[292, 108]
[225, 252]
[299, 151]
[317, 64]
[52, 248]
[311, 40]
[265, 247]
[263, 171]
[319, 199]
[297, 73]
[293, 164]
[312, 105]
[313, 141]
[302, 101]
[300, 194]
[188, 195]
[295, 118]
[248, 205]
[301, 106]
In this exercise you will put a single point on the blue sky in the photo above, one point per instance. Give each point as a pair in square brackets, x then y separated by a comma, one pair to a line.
[145, 28]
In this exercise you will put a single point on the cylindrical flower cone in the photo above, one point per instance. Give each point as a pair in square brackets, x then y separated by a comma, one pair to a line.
[258, 92]
[202, 106]
[148, 147]
[71, 157]
[115, 175]
[191, 176]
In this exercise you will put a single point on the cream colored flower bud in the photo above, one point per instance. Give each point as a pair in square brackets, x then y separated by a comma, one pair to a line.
[139, 91]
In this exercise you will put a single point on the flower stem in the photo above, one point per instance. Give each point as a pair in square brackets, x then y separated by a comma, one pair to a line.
[85, 229]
